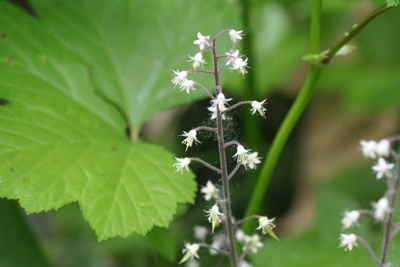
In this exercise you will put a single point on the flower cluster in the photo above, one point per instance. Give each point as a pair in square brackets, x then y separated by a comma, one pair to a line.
[220, 105]
[383, 207]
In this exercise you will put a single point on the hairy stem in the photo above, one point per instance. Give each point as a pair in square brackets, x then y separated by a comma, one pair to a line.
[224, 171]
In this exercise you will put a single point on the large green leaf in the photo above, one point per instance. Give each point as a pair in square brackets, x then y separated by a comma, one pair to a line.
[71, 79]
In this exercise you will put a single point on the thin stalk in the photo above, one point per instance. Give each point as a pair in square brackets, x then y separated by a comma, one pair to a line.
[224, 171]
[389, 223]
[206, 164]
[365, 244]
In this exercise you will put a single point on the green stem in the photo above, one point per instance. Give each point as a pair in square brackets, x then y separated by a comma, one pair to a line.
[300, 103]
[290, 120]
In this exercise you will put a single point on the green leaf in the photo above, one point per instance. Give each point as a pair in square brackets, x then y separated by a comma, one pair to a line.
[71, 80]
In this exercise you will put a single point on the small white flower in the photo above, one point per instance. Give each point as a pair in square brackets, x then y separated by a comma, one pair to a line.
[240, 236]
[244, 263]
[192, 263]
[191, 251]
[350, 218]
[183, 163]
[265, 222]
[252, 160]
[240, 65]
[197, 60]
[214, 215]
[180, 77]
[220, 101]
[190, 137]
[209, 191]
[241, 154]
[383, 148]
[368, 148]
[203, 40]
[218, 242]
[213, 110]
[381, 208]
[383, 168]
[187, 85]
[235, 35]
[257, 106]
[348, 240]
[232, 57]
[252, 243]
[200, 232]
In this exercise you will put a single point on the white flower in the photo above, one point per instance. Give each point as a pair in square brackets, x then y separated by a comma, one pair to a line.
[213, 109]
[244, 263]
[210, 191]
[180, 76]
[240, 65]
[220, 101]
[252, 160]
[241, 154]
[232, 57]
[214, 215]
[381, 208]
[183, 163]
[368, 148]
[350, 218]
[383, 148]
[191, 251]
[252, 243]
[190, 136]
[235, 35]
[240, 235]
[265, 222]
[203, 40]
[200, 232]
[257, 106]
[187, 85]
[192, 263]
[348, 240]
[197, 59]
[383, 168]
[218, 242]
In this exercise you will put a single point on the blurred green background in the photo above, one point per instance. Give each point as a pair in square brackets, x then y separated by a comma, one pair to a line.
[321, 171]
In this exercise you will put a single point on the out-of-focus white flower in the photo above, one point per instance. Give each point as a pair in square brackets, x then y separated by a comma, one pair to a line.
[220, 101]
[209, 191]
[218, 242]
[190, 137]
[235, 35]
[350, 218]
[187, 85]
[381, 208]
[183, 163]
[200, 232]
[257, 106]
[213, 110]
[191, 251]
[180, 76]
[368, 148]
[265, 222]
[192, 263]
[197, 60]
[383, 168]
[244, 263]
[252, 243]
[240, 235]
[232, 57]
[241, 154]
[348, 240]
[383, 148]
[252, 160]
[240, 65]
[203, 40]
[214, 215]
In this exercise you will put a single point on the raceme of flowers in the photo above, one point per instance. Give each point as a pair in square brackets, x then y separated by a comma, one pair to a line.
[220, 105]
[383, 207]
